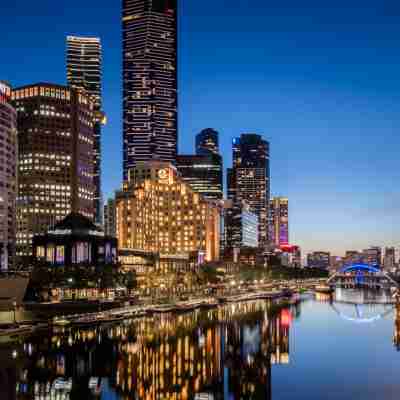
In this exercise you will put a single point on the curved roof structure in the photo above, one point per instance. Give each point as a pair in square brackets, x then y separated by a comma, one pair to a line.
[360, 267]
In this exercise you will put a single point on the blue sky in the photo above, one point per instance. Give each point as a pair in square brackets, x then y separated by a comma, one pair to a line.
[319, 82]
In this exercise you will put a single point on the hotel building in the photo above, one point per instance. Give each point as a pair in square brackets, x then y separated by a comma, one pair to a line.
[159, 213]
[84, 59]
[8, 176]
[149, 56]
[55, 148]
[279, 221]
[249, 178]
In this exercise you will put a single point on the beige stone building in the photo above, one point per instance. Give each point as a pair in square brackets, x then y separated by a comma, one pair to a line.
[158, 212]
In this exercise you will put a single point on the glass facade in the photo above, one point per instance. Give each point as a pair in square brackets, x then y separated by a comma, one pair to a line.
[84, 59]
[207, 142]
[249, 178]
[279, 221]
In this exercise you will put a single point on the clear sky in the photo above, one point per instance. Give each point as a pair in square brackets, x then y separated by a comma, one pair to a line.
[319, 80]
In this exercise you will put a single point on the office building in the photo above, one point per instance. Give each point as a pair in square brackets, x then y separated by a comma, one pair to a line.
[84, 71]
[373, 256]
[8, 176]
[390, 258]
[158, 212]
[207, 142]
[203, 173]
[149, 56]
[279, 220]
[55, 148]
[110, 218]
[249, 178]
[241, 225]
[319, 259]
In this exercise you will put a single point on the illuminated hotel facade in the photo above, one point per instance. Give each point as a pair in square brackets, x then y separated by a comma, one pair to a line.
[149, 29]
[84, 60]
[249, 178]
[158, 212]
[55, 146]
[279, 220]
[8, 176]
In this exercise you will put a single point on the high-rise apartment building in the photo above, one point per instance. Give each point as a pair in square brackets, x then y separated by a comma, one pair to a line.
[8, 176]
[149, 53]
[373, 255]
[55, 151]
[160, 213]
[279, 220]
[110, 216]
[84, 61]
[207, 142]
[249, 178]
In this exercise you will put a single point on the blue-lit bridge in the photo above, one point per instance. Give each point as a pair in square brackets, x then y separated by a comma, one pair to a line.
[362, 275]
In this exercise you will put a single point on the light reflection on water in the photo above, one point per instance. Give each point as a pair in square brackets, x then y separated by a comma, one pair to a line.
[236, 351]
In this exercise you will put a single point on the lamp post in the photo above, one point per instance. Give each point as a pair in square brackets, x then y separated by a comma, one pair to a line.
[14, 308]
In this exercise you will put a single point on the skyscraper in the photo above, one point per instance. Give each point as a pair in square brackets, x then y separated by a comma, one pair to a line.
[390, 258]
[207, 142]
[8, 176]
[55, 151]
[84, 58]
[249, 178]
[149, 53]
[203, 171]
[279, 220]
[110, 218]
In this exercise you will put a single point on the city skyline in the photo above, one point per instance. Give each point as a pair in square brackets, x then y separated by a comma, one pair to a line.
[328, 184]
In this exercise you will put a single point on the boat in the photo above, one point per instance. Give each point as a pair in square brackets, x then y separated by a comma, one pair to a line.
[164, 308]
[61, 321]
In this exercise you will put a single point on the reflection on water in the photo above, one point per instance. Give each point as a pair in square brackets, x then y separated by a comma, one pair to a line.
[232, 352]
[226, 351]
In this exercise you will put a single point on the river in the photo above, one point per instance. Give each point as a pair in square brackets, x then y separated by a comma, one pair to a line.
[315, 349]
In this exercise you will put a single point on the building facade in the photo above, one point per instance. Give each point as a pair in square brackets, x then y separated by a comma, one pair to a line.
[55, 149]
[149, 53]
[160, 213]
[319, 259]
[279, 220]
[84, 61]
[390, 258]
[373, 256]
[110, 217]
[207, 142]
[75, 240]
[241, 227]
[8, 177]
[203, 173]
[249, 178]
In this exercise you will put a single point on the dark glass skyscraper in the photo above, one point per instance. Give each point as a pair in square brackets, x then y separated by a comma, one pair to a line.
[249, 178]
[84, 57]
[207, 142]
[149, 29]
[204, 170]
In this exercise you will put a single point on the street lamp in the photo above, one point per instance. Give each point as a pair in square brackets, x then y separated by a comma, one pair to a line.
[14, 308]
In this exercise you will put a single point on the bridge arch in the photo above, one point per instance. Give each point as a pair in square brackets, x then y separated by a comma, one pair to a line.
[362, 268]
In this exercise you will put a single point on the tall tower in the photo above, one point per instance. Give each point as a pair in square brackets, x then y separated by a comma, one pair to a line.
[279, 221]
[249, 178]
[149, 55]
[8, 176]
[55, 156]
[207, 142]
[84, 58]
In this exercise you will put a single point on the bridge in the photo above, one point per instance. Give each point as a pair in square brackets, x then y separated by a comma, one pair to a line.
[362, 275]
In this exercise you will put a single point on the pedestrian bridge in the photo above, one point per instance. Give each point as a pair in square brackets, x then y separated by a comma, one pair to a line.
[362, 275]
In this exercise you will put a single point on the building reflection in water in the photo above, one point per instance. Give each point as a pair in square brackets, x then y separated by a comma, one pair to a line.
[226, 351]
